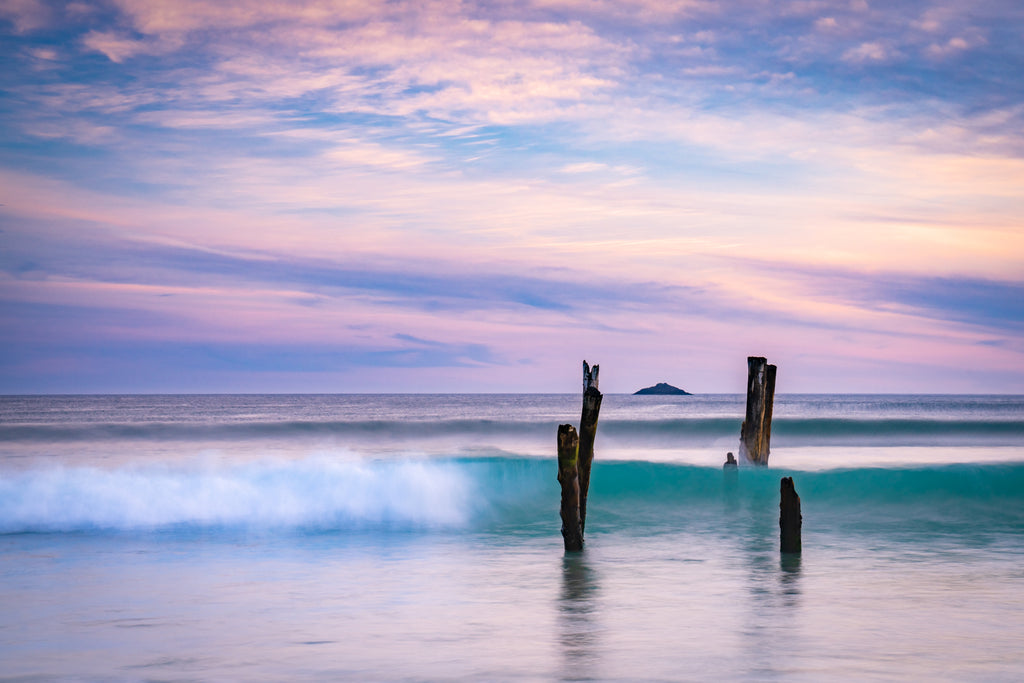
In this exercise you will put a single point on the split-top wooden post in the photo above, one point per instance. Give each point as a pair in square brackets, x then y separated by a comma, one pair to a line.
[588, 431]
[575, 456]
[756, 432]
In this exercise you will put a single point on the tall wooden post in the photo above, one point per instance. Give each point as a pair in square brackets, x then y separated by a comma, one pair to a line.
[588, 431]
[755, 434]
[769, 405]
[790, 519]
[568, 477]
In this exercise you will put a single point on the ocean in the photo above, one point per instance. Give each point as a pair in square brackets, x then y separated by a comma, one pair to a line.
[416, 538]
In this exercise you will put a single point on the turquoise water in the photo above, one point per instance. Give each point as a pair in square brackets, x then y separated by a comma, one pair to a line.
[417, 538]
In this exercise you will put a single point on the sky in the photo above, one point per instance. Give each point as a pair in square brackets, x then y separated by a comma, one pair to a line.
[349, 196]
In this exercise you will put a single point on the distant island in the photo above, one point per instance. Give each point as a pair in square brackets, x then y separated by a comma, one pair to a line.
[662, 389]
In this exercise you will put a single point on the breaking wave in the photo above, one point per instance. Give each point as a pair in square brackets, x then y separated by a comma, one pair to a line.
[312, 493]
[514, 494]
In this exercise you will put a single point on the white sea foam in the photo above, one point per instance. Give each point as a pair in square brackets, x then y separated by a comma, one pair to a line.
[313, 492]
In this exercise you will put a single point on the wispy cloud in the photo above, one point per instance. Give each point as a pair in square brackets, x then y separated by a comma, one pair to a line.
[450, 184]
[26, 15]
[995, 305]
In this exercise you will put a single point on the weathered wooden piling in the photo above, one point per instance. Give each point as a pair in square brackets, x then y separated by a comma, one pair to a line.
[790, 519]
[755, 434]
[769, 405]
[588, 431]
[568, 477]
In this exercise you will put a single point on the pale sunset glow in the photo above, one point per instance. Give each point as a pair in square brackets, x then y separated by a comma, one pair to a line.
[348, 196]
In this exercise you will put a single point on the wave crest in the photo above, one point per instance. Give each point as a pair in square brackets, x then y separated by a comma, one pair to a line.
[312, 493]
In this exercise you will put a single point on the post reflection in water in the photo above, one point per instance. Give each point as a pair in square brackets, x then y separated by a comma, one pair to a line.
[774, 590]
[789, 576]
[579, 631]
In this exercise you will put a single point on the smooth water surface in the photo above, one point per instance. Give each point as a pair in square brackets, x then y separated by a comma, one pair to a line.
[416, 538]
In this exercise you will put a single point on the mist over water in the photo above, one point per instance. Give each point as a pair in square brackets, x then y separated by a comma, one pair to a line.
[305, 494]
[417, 538]
[690, 420]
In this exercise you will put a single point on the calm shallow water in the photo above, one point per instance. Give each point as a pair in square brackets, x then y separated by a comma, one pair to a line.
[339, 550]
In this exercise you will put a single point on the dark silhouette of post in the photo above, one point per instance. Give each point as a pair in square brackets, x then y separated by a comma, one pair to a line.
[755, 434]
[568, 477]
[588, 431]
[790, 519]
[769, 404]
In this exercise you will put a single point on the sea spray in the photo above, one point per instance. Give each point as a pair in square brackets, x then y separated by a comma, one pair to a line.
[311, 493]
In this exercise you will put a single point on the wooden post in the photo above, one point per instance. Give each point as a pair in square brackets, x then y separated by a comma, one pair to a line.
[568, 477]
[769, 404]
[790, 519]
[755, 434]
[588, 431]
[750, 431]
